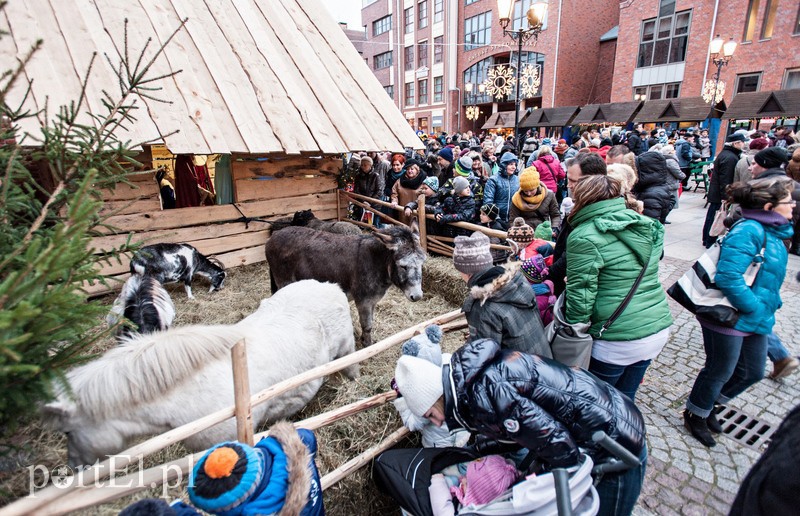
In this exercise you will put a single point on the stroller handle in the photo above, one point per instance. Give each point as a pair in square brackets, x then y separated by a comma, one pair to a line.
[626, 460]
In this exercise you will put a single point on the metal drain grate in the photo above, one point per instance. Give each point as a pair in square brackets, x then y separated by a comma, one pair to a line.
[744, 429]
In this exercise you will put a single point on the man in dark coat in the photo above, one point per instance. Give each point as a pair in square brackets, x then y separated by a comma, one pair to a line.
[635, 143]
[654, 187]
[721, 177]
[500, 305]
[537, 403]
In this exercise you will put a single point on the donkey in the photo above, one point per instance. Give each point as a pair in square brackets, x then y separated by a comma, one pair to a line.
[153, 383]
[364, 266]
[170, 263]
[308, 219]
[145, 303]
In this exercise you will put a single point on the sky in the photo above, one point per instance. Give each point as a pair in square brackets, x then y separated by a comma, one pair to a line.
[345, 11]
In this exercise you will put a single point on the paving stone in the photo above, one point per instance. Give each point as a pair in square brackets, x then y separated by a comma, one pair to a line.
[692, 509]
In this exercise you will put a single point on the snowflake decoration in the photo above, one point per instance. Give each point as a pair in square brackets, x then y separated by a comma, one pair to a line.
[529, 80]
[473, 112]
[500, 81]
[711, 96]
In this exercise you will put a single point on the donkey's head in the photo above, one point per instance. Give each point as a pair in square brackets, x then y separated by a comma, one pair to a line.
[87, 441]
[408, 257]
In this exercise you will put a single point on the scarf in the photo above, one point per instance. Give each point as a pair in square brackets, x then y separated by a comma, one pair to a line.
[413, 184]
[529, 203]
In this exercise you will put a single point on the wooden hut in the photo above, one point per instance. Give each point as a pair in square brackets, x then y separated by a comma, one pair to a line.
[274, 84]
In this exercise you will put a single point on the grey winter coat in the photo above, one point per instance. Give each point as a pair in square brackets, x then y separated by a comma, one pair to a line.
[501, 306]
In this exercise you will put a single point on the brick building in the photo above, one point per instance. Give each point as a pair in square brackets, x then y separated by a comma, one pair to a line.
[424, 52]
[662, 48]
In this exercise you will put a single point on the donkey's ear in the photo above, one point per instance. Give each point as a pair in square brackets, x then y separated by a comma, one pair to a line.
[57, 410]
[415, 227]
[387, 240]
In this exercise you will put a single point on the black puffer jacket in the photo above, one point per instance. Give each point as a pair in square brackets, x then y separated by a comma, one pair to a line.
[538, 403]
[654, 187]
[722, 175]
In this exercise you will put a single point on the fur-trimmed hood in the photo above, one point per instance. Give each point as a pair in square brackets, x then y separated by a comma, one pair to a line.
[502, 283]
[299, 461]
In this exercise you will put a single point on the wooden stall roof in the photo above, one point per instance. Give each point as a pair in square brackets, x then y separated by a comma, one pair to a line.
[765, 104]
[550, 117]
[257, 77]
[691, 109]
[499, 119]
[613, 113]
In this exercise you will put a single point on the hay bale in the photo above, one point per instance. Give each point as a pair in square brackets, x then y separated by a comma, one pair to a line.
[440, 277]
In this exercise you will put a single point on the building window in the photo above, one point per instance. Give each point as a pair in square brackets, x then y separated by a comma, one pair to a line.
[423, 124]
[389, 90]
[438, 49]
[408, 16]
[438, 89]
[382, 25]
[409, 94]
[467, 2]
[769, 19]
[438, 10]
[521, 8]
[422, 12]
[476, 74]
[748, 82]
[383, 60]
[670, 90]
[750, 21]
[478, 30]
[663, 40]
[422, 55]
[791, 81]
[409, 58]
[423, 91]
[797, 23]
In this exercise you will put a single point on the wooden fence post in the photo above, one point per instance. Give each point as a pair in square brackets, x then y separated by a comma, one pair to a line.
[241, 393]
[338, 206]
[423, 230]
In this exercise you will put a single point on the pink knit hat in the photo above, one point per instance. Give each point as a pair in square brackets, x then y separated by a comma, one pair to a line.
[485, 480]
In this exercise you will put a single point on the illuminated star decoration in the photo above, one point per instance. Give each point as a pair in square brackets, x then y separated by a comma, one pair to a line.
[711, 96]
[473, 112]
[500, 81]
[529, 81]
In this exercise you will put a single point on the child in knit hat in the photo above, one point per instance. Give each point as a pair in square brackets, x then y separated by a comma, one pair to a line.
[460, 207]
[520, 234]
[535, 270]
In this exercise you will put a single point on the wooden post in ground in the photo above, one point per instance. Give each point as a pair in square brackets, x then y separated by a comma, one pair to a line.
[338, 206]
[241, 393]
[423, 230]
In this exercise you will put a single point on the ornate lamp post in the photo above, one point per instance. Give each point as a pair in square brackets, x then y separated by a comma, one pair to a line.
[535, 17]
[721, 53]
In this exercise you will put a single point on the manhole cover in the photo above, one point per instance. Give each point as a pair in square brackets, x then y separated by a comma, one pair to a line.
[744, 429]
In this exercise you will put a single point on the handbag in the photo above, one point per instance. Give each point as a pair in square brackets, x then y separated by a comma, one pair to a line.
[697, 292]
[718, 226]
[570, 343]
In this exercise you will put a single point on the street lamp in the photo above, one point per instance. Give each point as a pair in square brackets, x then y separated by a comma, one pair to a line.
[639, 97]
[535, 17]
[721, 53]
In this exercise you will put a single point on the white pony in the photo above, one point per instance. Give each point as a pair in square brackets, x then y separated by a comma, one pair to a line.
[152, 383]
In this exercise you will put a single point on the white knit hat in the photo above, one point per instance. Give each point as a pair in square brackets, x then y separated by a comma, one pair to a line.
[420, 383]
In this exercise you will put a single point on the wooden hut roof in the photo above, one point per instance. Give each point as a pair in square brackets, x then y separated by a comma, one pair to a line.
[765, 104]
[613, 113]
[499, 119]
[690, 109]
[257, 77]
[550, 117]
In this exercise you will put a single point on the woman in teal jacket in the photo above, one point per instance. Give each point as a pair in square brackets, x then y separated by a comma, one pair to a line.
[735, 356]
[606, 251]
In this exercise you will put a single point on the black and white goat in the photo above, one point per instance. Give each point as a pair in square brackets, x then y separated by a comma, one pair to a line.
[170, 263]
[143, 302]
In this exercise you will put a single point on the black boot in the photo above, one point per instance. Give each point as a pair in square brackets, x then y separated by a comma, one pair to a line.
[712, 421]
[699, 429]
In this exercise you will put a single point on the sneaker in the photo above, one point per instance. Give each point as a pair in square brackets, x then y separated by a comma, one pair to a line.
[785, 367]
[698, 427]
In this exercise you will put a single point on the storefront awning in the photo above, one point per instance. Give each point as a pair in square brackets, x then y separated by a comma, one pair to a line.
[499, 120]
[550, 117]
[614, 113]
[692, 109]
[765, 104]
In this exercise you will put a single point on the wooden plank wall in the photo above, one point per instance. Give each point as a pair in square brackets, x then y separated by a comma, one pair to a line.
[268, 189]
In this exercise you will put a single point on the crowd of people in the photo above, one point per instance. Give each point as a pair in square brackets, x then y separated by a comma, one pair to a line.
[585, 219]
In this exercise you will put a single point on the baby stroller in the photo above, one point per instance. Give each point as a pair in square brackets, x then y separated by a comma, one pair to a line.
[405, 474]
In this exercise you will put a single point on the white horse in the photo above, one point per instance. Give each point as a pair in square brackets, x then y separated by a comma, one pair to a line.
[152, 383]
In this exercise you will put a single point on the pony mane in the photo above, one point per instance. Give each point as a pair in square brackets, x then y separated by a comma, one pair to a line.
[143, 367]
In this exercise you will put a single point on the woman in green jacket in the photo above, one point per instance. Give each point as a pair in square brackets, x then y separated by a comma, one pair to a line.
[606, 251]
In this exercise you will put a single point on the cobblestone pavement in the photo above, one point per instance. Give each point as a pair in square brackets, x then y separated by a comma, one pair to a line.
[683, 477]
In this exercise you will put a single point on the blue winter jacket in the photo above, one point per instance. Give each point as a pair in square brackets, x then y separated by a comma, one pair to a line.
[756, 304]
[501, 187]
